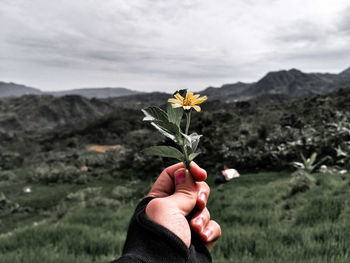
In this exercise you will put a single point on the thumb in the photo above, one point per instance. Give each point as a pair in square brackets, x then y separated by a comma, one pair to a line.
[185, 195]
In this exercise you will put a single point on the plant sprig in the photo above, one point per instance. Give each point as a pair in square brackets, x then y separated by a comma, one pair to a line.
[169, 124]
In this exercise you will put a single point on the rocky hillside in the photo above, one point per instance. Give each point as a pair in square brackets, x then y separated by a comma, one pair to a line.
[291, 83]
[34, 116]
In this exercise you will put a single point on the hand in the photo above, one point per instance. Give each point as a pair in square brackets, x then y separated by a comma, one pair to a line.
[177, 192]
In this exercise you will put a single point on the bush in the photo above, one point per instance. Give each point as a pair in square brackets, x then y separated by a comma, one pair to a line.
[58, 173]
[88, 197]
[121, 192]
[9, 207]
[7, 176]
[301, 181]
[10, 160]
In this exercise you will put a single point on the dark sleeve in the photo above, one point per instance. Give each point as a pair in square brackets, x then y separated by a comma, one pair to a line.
[149, 242]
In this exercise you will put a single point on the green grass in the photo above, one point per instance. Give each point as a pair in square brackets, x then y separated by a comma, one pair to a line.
[260, 221]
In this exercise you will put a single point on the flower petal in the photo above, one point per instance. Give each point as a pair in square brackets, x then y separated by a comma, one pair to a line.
[174, 101]
[179, 97]
[176, 105]
[187, 107]
[197, 108]
[189, 95]
[200, 100]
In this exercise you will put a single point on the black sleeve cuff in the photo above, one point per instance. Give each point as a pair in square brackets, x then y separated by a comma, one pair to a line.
[150, 242]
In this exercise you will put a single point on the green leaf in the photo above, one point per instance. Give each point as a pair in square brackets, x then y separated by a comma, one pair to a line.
[168, 129]
[313, 158]
[174, 114]
[165, 151]
[154, 114]
[193, 140]
[165, 133]
[303, 158]
[192, 156]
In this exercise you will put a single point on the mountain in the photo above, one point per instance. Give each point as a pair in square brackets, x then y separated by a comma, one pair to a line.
[280, 85]
[345, 73]
[285, 84]
[16, 90]
[9, 89]
[292, 83]
[96, 92]
[34, 116]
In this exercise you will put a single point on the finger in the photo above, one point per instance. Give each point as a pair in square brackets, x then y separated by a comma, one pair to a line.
[200, 220]
[198, 173]
[185, 195]
[211, 234]
[203, 194]
[164, 185]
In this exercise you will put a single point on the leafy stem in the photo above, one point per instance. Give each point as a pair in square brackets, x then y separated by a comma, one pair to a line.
[186, 160]
[188, 120]
[168, 123]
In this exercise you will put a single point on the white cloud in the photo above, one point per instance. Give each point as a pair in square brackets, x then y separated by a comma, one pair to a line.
[162, 45]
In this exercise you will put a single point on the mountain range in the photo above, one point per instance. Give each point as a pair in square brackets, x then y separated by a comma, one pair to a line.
[9, 89]
[291, 83]
[285, 84]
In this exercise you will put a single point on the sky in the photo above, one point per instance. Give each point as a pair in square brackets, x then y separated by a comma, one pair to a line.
[165, 45]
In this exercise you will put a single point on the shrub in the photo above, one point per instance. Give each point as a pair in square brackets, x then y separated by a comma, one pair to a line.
[10, 160]
[7, 176]
[88, 197]
[301, 181]
[121, 192]
[58, 173]
[9, 207]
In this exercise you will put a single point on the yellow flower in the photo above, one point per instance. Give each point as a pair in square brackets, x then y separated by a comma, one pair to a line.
[188, 102]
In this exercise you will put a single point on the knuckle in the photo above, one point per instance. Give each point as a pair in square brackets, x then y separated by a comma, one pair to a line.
[207, 213]
[204, 188]
[218, 228]
[155, 205]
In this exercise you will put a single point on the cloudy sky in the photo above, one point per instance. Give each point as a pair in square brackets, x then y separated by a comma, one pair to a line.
[168, 44]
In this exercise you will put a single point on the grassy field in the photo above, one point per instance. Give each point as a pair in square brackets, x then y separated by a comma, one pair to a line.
[261, 221]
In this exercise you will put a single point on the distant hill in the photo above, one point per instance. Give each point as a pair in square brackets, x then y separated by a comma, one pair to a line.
[9, 89]
[275, 86]
[291, 83]
[96, 92]
[283, 84]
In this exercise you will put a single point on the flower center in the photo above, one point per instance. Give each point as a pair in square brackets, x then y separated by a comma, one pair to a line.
[187, 102]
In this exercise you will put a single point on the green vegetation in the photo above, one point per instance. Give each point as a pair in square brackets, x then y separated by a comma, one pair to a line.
[260, 219]
[62, 202]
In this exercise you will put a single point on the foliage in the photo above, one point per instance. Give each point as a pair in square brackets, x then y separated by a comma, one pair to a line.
[309, 164]
[168, 124]
[10, 160]
[58, 173]
[301, 181]
[259, 223]
[7, 176]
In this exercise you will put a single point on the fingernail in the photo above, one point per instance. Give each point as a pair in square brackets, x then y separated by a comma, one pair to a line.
[200, 221]
[207, 233]
[180, 177]
[203, 197]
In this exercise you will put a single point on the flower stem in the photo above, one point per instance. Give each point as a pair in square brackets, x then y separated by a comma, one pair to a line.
[188, 121]
[186, 162]
[184, 149]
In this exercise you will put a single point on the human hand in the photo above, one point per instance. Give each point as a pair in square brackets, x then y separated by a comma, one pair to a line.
[177, 193]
